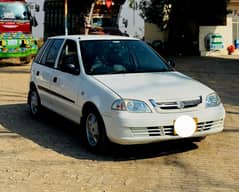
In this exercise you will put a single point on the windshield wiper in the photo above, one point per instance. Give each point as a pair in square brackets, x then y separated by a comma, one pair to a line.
[119, 72]
[151, 71]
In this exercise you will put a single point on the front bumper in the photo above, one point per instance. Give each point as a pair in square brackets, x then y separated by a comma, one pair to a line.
[136, 128]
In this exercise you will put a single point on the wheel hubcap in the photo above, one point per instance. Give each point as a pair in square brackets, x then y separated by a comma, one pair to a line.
[92, 130]
[34, 102]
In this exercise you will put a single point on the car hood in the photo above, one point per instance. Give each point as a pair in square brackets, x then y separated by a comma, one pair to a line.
[160, 85]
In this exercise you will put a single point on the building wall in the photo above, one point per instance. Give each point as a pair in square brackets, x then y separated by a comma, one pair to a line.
[135, 26]
[225, 31]
[152, 32]
[38, 31]
[233, 4]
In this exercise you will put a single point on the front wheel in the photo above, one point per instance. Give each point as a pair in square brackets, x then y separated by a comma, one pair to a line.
[94, 131]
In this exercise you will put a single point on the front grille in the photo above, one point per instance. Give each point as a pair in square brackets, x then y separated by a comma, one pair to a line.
[184, 104]
[205, 126]
[154, 131]
[169, 129]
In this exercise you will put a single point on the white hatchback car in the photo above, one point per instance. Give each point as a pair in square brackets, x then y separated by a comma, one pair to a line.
[120, 90]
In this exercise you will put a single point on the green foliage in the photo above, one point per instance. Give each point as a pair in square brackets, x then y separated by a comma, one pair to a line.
[133, 4]
[157, 12]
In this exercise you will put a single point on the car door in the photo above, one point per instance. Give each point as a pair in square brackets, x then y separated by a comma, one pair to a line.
[65, 82]
[42, 70]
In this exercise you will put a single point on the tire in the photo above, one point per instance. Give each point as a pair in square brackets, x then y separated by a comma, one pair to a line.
[94, 133]
[34, 103]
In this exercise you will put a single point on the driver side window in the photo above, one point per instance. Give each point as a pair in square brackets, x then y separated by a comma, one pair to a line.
[69, 62]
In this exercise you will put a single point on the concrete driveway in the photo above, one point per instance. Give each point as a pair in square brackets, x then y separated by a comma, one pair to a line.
[47, 155]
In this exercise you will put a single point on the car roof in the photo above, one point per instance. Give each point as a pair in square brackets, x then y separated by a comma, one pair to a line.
[93, 37]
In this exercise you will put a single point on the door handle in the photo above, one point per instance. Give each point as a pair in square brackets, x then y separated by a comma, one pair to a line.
[37, 73]
[54, 79]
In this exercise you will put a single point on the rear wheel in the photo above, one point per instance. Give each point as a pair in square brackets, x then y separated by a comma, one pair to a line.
[94, 131]
[34, 103]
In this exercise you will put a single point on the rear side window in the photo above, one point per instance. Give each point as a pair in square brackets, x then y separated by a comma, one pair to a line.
[50, 53]
[41, 51]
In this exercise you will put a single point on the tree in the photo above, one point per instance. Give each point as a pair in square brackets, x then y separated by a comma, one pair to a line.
[133, 4]
[157, 12]
[167, 12]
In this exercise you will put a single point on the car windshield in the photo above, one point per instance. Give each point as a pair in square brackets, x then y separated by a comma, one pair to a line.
[14, 10]
[120, 56]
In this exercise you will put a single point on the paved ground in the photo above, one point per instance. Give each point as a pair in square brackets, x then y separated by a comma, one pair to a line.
[47, 155]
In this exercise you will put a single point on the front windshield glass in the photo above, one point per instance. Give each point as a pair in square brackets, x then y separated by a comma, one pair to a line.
[13, 11]
[120, 56]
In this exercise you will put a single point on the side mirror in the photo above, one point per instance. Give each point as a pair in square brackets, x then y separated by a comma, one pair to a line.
[69, 66]
[171, 63]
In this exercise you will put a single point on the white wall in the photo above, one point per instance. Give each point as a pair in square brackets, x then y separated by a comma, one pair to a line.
[225, 31]
[135, 22]
[38, 32]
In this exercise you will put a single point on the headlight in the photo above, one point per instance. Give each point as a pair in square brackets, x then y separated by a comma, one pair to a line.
[212, 100]
[134, 106]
